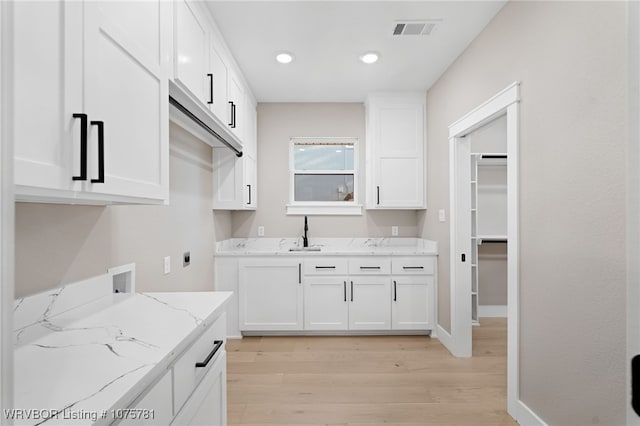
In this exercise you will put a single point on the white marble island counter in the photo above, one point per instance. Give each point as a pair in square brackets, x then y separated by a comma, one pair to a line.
[327, 247]
[75, 365]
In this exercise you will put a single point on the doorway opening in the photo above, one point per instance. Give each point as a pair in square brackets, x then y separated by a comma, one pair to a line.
[483, 161]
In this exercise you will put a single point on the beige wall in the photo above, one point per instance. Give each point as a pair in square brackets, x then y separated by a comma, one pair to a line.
[277, 123]
[571, 61]
[58, 244]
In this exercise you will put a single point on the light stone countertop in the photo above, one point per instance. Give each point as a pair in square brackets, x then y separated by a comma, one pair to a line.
[102, 354]
[328, 247]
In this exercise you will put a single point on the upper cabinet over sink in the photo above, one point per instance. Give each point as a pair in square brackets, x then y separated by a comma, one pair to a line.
[90, 101]
[396, 140]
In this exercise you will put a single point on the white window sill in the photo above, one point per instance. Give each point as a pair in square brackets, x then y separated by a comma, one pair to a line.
[324, 209]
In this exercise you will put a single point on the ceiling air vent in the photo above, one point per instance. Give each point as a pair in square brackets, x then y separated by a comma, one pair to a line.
[422, 27]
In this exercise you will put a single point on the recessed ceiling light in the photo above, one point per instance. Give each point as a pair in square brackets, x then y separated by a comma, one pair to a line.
[370, 57]
[284, 57]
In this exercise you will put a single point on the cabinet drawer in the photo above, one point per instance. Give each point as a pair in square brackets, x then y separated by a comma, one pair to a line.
[186, 375]
[154, 408]
[325, 266]
[369, 266]
[413, 266]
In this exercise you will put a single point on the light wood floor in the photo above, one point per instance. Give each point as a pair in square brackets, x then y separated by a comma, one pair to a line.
[368, 380]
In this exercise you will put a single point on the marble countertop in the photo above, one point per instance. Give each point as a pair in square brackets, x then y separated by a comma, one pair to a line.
[102, 354]
[328, 247]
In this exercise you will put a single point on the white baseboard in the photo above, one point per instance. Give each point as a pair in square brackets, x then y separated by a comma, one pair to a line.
[527, 417]
[492, 311]
[445, 338]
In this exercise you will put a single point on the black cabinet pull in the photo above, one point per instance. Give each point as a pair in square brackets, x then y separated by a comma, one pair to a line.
[395, 291]
[233, 115]
[413, 267]
[249, 194]
[210, 101]
[216, 346]
[635, 384]
[378, 190]
[299, 273]
[325, 267]
[100, 125]
[352, 291]
[232, 112]
[463, 257]
[83, 146]
[345, 291]
[369, 267]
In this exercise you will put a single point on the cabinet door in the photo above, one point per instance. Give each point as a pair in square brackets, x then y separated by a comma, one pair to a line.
[236, 110]
[47, 92]
[370, 303]
[399, 156]
[191, 42]
[412, 307]
[126, 62]
[270, 295]
[217, 85]
[250, 182]
[207, 406]
[228, 181]
[326, 305]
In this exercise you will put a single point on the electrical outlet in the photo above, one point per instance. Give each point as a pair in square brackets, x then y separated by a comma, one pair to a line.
[260, 231]
[394, 231]
[186, 259]
[441, 215]
[167, 264]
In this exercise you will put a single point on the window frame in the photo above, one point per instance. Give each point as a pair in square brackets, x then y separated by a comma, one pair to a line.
[324, 207]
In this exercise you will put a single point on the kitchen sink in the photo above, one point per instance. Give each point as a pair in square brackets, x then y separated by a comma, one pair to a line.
[304, 249]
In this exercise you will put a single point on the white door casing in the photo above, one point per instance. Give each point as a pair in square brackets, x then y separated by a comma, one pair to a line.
[505, 102]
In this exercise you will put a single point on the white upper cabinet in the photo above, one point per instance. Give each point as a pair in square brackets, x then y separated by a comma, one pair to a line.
[191, 50]
[396, 139]
[237, 110]
[218, 97]
[98, 72]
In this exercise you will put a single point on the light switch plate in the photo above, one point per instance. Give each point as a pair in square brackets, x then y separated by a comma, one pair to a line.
[167, 264]
[394, 231]
[260, 231]
[441, 215]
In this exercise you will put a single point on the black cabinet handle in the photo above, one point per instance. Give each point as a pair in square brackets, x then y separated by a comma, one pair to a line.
[299, 273]
[352, 291]
[413, 267]
[232, 112]
[100, 125]
[325, 267]
[345, 291]
[210, 101]
[83, 146]
[378, 190]
[463, 257]
[233, 115]
[249, 194]
[369, 267]
[216, 346]
[395, 291]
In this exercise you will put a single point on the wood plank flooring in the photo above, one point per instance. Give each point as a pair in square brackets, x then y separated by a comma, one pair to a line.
[368, 380]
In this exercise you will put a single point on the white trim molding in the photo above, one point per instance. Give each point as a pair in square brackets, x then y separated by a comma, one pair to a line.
[506, 102]
[492, 311]
[526, 416]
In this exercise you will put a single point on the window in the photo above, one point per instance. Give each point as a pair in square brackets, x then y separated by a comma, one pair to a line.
[323, 176]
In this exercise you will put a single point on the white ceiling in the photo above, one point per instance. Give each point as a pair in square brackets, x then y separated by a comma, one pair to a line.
[327, 37]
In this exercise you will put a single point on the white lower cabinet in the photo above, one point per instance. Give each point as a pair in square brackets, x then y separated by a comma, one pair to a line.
[374, 293]
[270, 295]
[207, 406]
[370, 307]
[412, 306]
[193, 391]
[326, 303]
